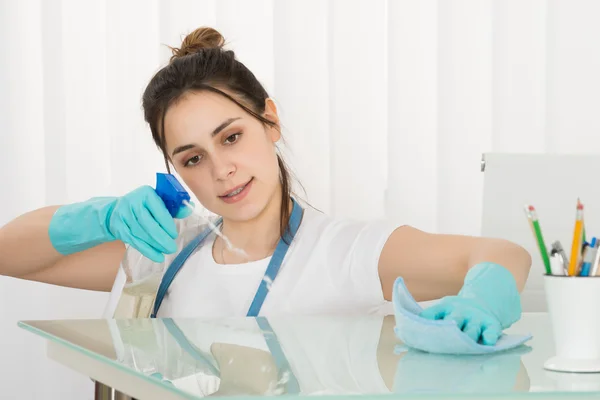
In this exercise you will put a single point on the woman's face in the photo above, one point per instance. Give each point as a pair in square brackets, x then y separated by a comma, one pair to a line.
[224, 155]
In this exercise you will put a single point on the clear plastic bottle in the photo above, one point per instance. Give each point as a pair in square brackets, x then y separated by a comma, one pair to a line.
[142, 276]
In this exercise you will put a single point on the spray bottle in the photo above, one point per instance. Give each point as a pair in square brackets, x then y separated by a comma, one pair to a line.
[142, 275]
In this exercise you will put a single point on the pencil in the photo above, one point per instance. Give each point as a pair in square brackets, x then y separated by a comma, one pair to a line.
[577, 236]
[537, 232]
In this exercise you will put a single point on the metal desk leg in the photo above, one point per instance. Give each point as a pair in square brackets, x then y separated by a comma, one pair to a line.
[122, 396]
[103, 392]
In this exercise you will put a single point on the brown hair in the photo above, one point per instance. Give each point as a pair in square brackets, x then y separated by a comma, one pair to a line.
[201, 63]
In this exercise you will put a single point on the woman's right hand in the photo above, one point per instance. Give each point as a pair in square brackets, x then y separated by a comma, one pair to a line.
[138, 218]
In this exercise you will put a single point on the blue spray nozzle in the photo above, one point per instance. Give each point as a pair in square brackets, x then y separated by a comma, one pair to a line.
[171, 192]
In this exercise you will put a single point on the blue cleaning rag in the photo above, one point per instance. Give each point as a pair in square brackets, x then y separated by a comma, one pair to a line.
[439, 336]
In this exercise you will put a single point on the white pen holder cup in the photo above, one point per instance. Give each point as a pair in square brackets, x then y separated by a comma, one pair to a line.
[574, 309]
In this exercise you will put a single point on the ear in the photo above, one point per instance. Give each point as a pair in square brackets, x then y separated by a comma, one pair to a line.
[271, 114]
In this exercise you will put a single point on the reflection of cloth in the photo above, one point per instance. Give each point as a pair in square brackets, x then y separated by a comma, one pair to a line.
[438, 336]
[420, 372]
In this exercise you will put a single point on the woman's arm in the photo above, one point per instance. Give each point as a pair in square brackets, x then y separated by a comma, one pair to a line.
[81, 244]
[27, 253]
[435, 265]
[25, 245]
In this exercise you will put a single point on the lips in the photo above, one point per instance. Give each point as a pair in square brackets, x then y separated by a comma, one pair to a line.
[235, 191]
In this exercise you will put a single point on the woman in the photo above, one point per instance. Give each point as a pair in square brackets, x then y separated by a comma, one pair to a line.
[218, 128]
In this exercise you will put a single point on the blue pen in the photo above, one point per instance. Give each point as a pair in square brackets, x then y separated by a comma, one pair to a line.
[588, 258]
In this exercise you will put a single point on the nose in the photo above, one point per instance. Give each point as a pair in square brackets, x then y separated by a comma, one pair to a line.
[223, 168]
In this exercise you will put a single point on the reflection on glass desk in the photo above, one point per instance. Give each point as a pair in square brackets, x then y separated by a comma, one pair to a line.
[316, 356]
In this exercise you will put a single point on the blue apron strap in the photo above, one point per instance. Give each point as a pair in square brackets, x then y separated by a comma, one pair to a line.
[281, 361]
[270, 273]
[276, 261]
[176, 266]
[188, 347]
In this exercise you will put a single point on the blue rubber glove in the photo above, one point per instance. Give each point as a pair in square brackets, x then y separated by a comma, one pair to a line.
[139, 219]
[488, 303]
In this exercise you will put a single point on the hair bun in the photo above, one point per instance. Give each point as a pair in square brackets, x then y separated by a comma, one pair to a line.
[201, 38]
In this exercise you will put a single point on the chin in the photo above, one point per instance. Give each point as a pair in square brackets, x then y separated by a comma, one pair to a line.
[244, 211]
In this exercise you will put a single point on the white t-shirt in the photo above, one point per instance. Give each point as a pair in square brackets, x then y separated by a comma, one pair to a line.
[331, 267]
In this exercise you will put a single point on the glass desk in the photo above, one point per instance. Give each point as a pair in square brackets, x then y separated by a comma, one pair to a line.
[309, 356]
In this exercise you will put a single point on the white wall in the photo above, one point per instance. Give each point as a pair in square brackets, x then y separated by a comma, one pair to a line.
[393, 102]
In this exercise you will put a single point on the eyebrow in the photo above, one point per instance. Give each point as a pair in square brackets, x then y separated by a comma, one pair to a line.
[217, 130]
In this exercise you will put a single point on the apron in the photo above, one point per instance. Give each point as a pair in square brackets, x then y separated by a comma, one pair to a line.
[270, 273]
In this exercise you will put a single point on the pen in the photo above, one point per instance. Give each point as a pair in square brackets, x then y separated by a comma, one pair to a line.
[589, 256]
[556, 264]
[537, 231]
[584, 247]
[594, 270]
[577, 236]
[557, 246]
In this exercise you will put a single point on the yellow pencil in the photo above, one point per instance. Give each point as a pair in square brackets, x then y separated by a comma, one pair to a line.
[577, 235]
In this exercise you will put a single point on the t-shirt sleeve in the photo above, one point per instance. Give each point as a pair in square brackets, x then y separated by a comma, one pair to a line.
[355, 249]
[364, 260]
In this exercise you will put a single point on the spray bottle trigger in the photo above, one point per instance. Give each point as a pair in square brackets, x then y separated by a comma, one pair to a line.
[171, 192]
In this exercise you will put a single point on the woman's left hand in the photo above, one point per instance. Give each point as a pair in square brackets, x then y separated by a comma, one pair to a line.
[477, 322]
[487, 303]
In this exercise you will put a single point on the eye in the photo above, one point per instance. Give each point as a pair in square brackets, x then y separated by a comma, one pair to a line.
[231, 139]
[192, 161]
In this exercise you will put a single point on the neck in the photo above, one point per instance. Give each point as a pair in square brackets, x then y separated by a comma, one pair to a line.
[257, 237]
